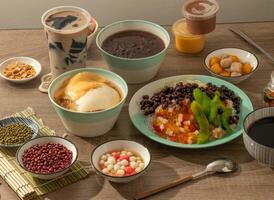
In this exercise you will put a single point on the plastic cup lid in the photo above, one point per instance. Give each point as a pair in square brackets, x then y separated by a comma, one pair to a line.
[180, 28]
[210, 11]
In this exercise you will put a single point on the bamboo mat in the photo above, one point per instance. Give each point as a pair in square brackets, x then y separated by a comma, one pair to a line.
[21, 182]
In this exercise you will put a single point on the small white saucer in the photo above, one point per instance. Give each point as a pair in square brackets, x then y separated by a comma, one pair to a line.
[34, 63]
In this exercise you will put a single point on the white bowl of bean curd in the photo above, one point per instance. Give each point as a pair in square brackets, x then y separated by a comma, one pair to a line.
[120, 161]
[20, 69]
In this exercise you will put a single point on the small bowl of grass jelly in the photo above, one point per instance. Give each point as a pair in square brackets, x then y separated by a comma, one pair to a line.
[15, 131]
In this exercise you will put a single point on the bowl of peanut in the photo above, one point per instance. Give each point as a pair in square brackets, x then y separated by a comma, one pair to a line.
[20, 69]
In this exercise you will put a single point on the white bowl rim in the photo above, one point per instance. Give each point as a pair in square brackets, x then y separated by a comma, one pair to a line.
[38, 71]
[120, 177]
[246, 131]
[39, 137]
[230, 77]
[80, 70]
[129, 21]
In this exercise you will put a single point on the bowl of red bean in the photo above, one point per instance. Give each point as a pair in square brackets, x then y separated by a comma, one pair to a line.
[120, 161]
[47, 157]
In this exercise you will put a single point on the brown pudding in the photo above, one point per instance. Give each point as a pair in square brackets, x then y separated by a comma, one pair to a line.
[201, 15]
[133, 44]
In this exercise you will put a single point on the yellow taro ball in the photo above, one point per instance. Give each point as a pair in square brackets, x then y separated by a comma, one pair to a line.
[246, 69]
[225, 73]
[216, 68]
[214, 60]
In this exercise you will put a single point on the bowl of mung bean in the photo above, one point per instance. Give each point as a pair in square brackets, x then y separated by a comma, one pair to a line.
[15, 131]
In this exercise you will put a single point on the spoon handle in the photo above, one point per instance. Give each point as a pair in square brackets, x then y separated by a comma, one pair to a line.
[250, 41]
[148, 193]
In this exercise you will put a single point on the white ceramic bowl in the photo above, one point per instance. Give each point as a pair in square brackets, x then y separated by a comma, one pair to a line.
[264, 154]
[91, 36]
[244, 55]
[43, 140]
[118, 145]
[89, 124]
[134, 70]
[34, 63]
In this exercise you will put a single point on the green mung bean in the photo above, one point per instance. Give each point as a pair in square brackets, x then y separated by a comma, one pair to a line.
[15, 134]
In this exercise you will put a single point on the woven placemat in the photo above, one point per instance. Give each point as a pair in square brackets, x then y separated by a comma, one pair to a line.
[25, 186]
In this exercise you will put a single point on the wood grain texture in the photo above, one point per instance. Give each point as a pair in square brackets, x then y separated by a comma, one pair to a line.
[253, 181]
[166, 186]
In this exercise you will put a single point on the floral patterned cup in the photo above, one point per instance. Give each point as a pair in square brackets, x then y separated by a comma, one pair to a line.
[67, 46]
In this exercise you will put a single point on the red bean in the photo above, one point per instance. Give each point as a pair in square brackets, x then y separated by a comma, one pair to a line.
[47, 158]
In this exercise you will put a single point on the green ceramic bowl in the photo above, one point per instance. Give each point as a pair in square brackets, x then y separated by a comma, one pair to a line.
[143, 124]
[134, 70]
[88, 124]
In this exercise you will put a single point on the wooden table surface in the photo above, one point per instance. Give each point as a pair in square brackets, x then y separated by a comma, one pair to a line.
[252, 181]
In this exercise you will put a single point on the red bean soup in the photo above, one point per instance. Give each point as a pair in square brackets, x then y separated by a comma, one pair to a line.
[133, 44]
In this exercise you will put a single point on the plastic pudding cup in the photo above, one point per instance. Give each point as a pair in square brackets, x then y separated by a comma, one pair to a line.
[186, 42]
[200, 17]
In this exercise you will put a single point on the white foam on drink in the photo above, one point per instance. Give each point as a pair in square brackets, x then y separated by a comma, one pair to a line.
[78, 20]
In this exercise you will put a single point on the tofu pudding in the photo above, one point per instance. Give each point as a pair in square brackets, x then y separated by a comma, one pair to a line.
[87, 92]
[201, 15]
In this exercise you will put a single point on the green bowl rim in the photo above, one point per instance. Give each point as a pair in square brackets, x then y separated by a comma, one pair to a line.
[88, 69]
[130, 21]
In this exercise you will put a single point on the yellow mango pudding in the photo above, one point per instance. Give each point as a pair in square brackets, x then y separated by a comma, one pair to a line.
[185, 41]
[87, 92]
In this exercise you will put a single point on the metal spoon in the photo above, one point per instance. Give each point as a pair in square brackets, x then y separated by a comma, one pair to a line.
[250, 41]
[221, 165]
